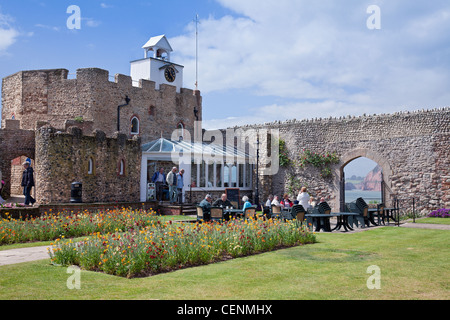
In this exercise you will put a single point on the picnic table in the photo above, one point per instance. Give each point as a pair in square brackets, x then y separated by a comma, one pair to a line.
[371, 216]
[232, 212]
[322, 220]
[342, 220]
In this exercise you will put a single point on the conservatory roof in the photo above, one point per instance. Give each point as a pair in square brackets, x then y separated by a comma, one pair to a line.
[165, 146]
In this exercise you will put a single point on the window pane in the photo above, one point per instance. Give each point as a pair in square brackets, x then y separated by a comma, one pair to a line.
[167, 146]
[202, 175]
[194, 175]
[241, 175]
[121, 169]
[219, 175]
[134, 125]
[211, 176]
[90, 166]
[248, 175]
[233, 176]
[226, 176]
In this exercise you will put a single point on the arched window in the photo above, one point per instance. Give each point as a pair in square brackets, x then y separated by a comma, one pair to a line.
[180, 129]
[90, 166]
[122, 168]
[134, 125]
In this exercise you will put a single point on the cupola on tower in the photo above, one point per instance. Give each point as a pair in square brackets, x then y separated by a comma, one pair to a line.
[156, 65]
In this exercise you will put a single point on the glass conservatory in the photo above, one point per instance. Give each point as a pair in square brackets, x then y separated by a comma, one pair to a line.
[208, 167]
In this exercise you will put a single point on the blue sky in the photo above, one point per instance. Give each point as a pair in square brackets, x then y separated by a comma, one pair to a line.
[259, 61]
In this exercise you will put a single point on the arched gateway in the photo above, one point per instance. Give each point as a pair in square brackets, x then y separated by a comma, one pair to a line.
[339, 177]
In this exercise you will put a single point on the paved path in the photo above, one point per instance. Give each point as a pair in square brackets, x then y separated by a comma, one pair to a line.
[410, 224]
[13, 256]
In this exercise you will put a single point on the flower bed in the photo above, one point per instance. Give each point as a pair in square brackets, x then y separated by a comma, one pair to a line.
[51, 226]
[8, 205]
[163, 247]
[440, 213]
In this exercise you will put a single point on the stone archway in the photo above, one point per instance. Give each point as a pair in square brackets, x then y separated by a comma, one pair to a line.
[351, 155]
[15, 143]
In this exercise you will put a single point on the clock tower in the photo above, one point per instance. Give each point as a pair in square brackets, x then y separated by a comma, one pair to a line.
[156, 65]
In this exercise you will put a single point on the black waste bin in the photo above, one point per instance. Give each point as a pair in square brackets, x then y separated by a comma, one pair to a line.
[76, 192]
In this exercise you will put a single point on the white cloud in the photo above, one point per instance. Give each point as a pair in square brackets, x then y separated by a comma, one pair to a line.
[105, 5]
[44, 26]
[8, 34]
[90, 22]
[320, 58]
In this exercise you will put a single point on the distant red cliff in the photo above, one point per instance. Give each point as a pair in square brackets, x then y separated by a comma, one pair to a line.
[372, 182]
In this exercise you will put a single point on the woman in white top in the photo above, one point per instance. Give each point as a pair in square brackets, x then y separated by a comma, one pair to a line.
[303, 198]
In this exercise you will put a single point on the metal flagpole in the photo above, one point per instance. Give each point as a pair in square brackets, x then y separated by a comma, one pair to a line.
[197, 21]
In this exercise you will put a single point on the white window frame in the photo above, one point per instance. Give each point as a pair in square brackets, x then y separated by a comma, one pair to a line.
[138, 126]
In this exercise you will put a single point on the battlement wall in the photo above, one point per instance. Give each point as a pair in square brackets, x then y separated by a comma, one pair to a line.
[63, 158]
[48, 95]
[412, 148]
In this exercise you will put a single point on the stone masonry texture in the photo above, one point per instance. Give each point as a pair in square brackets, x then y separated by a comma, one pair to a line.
[412, 149]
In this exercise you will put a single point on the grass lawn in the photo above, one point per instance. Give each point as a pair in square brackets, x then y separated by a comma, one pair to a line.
[413, 264]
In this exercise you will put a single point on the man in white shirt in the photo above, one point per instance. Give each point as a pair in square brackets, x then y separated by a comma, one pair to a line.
[276, 202]
[269, 201]
[171, 180]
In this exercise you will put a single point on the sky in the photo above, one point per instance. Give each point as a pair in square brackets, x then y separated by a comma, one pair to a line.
[359, 167]
[258, 61]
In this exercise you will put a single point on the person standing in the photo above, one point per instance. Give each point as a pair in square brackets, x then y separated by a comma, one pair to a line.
[2, 183]
[159, 179]
[27, 183]
[171, 180]
[180, 185]
[303, 198]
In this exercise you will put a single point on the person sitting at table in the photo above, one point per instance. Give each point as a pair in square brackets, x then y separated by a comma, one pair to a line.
[286, 202]
[303, 198]
[206, 206]
[276, 202]
[2, 183]
[223, 202]
[311, 202]
[269, 201]
[247, 203]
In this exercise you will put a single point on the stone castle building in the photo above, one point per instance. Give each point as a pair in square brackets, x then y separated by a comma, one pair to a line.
[90, 129]
[104, 133]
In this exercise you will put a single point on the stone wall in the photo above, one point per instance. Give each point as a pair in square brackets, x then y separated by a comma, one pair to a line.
[411, 147]
[62, 158]
[14, 143]
[49, 96]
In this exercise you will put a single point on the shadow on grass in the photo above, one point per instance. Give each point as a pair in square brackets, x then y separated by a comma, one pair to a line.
[314, 254]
